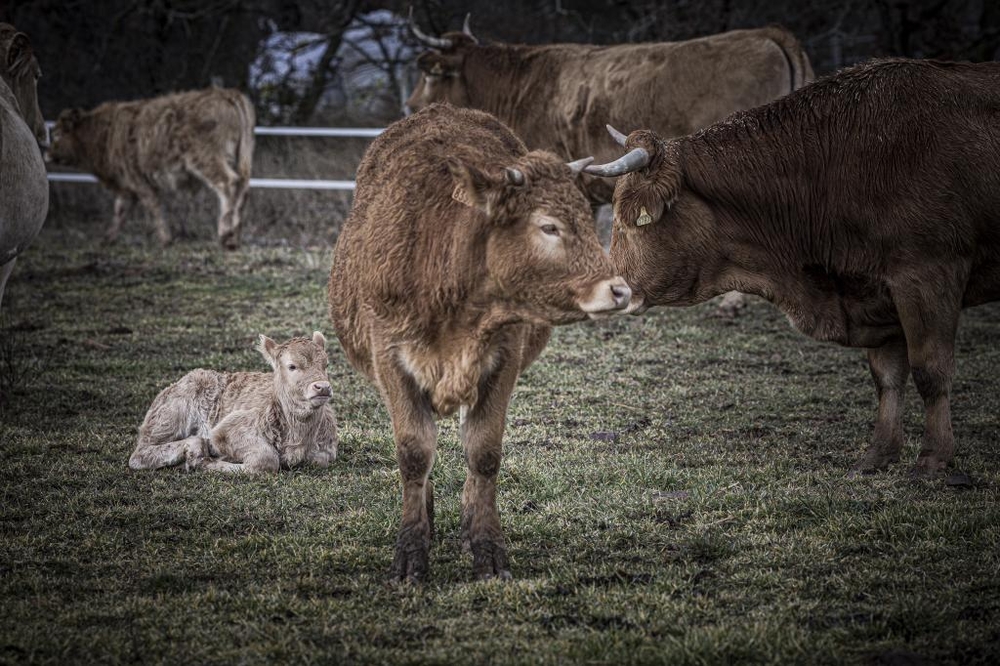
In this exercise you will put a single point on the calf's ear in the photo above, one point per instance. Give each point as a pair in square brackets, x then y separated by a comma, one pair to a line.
[266, 346]
[319, 340]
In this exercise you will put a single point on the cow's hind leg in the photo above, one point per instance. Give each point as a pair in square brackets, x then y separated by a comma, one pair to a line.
[149, 454]
[151, 202]
[226, 184]
[123, 202]
[173, 431]
[415, 434]
[890, 369]
[930, 325]
[482, 435]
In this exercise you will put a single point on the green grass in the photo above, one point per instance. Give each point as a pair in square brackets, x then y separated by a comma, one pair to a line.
[673, 491]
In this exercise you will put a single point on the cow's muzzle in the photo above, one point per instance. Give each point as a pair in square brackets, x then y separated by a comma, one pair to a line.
[607, 297]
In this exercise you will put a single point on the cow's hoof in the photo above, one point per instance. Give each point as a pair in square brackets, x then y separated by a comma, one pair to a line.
[929, 468]
[959, 480]
[410, 564]
[872, 462]
[489, 561]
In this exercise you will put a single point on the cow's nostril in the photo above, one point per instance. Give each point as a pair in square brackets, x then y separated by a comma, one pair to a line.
[621, 294]
[322, 388]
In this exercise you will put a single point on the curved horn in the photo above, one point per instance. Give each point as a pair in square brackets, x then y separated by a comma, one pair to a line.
[633, 160]
[577, 166]
[617, 136]
[467, 30]
[513, 176]
[433, 42]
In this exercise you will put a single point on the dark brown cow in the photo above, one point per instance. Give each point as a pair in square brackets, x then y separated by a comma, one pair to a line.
[865, 206]
[140, 149]
[559, 96]
[461, 250]
[24, 187]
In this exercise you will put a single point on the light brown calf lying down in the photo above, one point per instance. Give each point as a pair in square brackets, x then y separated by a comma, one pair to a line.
[245, 421]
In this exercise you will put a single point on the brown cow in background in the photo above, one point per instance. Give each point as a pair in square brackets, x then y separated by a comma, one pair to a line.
[865, 206]
[24, 187]
[461, 251]
[143, 148]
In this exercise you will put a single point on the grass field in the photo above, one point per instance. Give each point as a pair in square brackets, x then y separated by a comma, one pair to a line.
[673, 491]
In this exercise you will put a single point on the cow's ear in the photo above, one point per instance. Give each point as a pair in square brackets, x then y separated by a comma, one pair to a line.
[267, 348]
[472, 187]
[70, 118]
[433, 64]
[319, 340]
[19, 53]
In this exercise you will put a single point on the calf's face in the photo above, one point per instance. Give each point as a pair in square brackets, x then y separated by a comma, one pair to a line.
[542, 251]
[299, 369]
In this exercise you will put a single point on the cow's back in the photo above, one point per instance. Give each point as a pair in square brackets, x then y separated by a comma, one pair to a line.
[396, 259]
[567, 93]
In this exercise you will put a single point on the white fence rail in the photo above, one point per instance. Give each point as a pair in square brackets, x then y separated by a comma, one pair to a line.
[269, 183]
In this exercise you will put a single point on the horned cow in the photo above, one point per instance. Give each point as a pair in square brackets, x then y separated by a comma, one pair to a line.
[865, 206]
[141, 149]
[245, 421]
[461, 251]
[24, 187]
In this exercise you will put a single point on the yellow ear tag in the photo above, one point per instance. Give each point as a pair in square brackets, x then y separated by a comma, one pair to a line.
[436, 70]
[643, 219]
[460, 195]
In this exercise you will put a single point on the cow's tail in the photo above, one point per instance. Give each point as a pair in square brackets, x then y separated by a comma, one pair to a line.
[799, 68]
[244, 146]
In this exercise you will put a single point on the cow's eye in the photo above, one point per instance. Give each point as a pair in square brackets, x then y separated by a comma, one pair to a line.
[550, 229]
[293, 367]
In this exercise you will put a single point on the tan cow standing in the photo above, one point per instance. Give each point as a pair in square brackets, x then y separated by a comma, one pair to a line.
[245, 421]
[461, 251]
[141, 149]
[24, 187]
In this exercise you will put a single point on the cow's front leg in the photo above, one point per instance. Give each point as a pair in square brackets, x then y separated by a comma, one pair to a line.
[123, 202]
[151, 202]
[415, 434]
[482, 437]
[930, 326]
[890, 369]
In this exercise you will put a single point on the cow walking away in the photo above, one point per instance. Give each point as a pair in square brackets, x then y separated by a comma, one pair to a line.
[24, 187]
[142, 149]
[245, 421]
[558, 97]
[866, 206]
[461, 251]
